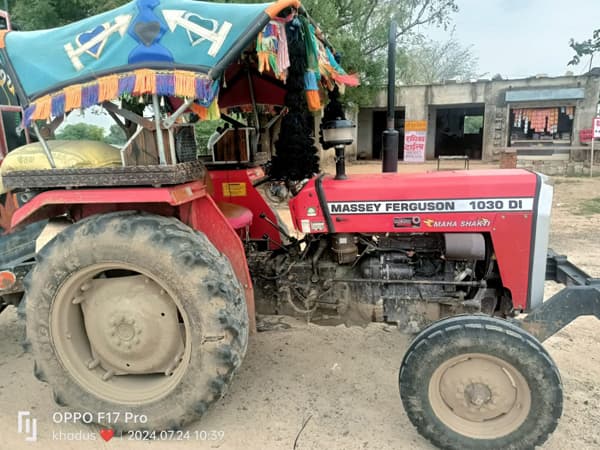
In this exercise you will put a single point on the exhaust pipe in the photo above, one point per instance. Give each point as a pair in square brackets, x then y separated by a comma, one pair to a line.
[391, 135]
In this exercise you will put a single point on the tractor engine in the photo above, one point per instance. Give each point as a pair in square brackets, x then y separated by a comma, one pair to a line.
[409, 279]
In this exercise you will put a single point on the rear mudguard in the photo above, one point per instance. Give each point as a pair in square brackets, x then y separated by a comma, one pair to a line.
[189, 202]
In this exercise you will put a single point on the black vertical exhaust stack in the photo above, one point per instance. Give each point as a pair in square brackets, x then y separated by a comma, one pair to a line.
[391, 135]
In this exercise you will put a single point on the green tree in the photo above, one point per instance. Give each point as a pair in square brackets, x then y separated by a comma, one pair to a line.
[43, 14]
[116, 135]
[588, 47]
[359, 30]
[81, 131]
[203, 131]
[428, 61]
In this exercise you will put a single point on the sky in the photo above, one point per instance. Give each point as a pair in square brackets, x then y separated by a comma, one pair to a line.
[521, 38]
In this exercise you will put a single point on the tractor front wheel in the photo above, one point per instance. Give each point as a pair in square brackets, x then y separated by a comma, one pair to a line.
[137, 319]
[472, 382]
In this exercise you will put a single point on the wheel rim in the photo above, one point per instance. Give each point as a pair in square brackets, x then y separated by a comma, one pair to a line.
[120, 333]
[479, 396]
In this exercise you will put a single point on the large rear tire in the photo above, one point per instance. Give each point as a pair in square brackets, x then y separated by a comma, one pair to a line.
[136, 315]
[472, 382]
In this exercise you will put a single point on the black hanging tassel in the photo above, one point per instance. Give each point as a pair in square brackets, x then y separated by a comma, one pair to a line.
[296, 157]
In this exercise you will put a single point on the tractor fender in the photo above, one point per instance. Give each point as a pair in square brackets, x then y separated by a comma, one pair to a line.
[189, 202]
[54, 203]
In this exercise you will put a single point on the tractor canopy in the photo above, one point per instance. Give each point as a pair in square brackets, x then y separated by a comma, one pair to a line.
[174, 48]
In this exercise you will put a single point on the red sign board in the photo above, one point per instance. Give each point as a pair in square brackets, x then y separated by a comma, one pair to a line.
[586, 135]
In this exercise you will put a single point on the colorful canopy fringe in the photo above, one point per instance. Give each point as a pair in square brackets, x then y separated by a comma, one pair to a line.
[322, 67]
[272, 50]
[144, 81]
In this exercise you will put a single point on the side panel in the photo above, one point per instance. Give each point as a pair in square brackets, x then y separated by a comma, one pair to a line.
[511, 238]
[541, 236]
[236, 186]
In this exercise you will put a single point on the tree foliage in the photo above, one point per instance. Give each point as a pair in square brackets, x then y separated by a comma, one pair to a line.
[588, 47]
[204, 129]
[81, 131]
[428, 61]
[116, 135]
[43, 14]
[359, 30]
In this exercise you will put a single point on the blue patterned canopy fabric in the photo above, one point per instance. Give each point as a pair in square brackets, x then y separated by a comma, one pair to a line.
[153, 34]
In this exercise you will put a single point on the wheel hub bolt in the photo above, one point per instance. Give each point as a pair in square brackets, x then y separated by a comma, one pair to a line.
[124, 332]
[478, 394]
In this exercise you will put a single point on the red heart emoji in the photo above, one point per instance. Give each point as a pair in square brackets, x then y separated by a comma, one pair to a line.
[107, 434]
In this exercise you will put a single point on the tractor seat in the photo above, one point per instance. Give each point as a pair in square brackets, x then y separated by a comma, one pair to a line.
[238, 216]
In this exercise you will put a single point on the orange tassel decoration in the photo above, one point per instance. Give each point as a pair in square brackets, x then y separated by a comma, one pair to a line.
[72, 97]
[108, 88]
[145, 82]
[42, 110]
[185, 84]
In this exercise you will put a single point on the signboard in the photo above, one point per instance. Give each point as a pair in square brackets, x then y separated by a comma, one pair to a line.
[597, 127]
[586, 135]
[415, 140]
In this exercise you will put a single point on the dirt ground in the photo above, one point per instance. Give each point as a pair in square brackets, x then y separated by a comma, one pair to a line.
[340, 382]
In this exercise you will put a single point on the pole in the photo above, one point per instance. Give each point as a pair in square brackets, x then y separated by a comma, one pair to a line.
[340, 163]
[592, 158]
[159, 136]
[391, 135]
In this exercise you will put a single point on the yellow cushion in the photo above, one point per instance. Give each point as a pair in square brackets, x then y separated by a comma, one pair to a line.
[66, 154]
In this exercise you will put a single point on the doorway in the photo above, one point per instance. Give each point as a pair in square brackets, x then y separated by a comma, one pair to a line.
[380, 125]
[459, 131]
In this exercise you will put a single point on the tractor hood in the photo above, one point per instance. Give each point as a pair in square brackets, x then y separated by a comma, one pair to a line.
[384, 202]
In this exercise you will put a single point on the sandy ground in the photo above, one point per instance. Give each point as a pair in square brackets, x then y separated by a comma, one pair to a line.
[343, 381]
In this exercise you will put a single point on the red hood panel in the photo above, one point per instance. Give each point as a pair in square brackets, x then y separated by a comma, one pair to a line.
[371, 202]
[434, 185]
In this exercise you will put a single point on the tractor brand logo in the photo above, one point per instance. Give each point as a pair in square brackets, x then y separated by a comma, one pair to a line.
[482, 205]
[431, 223]
[476, 223]
[479, 223]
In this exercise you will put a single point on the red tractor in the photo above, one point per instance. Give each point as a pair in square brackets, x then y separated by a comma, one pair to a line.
[148, 273]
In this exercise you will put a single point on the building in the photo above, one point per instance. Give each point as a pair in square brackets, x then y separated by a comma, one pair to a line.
[536, 116]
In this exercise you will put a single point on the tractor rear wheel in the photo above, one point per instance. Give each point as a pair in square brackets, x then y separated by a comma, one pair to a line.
[471, 382]
[138, 316]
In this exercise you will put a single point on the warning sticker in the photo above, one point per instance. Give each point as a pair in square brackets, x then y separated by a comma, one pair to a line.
[234, 190]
